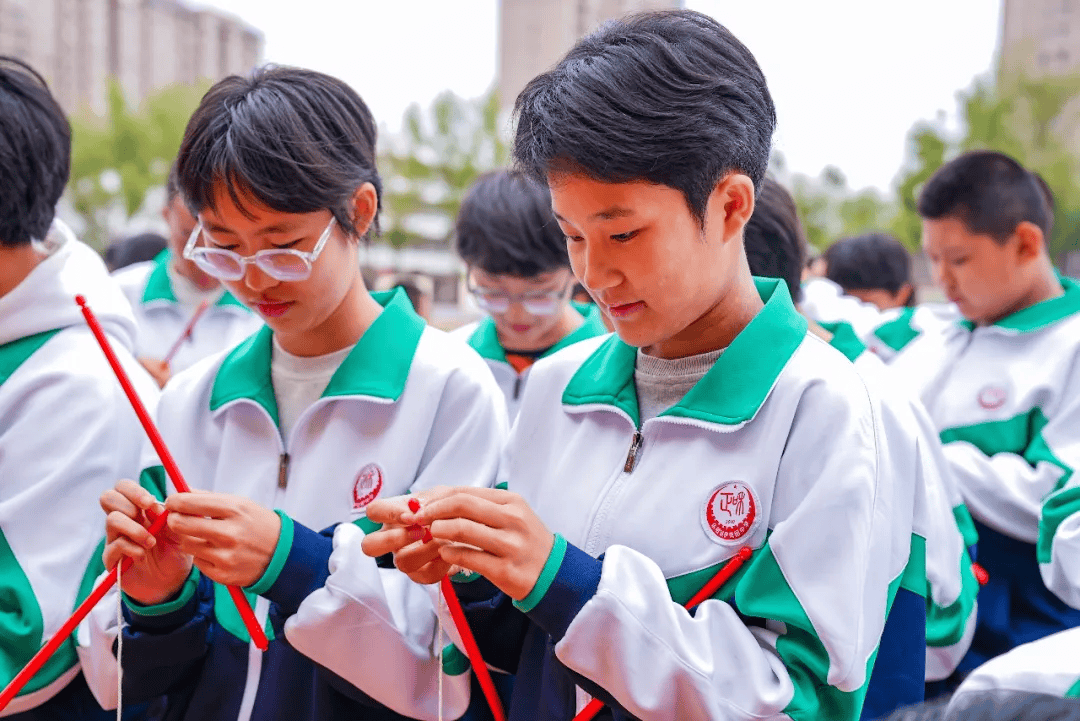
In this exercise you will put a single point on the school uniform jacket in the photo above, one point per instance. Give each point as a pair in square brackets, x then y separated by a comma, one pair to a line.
[775, 449]
[1006, 400]
[161, 319]
[67, 434]
[947, 581]
[484, 339]
[407, 409]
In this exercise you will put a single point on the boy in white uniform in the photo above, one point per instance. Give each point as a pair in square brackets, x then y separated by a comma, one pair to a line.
[1003, 386]
[641, 463]
[66, 429]
[166, 293]
[342, 398]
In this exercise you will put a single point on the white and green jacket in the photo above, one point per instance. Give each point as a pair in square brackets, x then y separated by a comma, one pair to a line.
[67, 433]
[1049, 666]
[1006, 401]
[950, 586]
[484, 339]
[775, 449]
[161, 318]
[408, 408]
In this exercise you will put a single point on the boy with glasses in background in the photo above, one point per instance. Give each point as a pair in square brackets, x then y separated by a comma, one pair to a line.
[519, 273]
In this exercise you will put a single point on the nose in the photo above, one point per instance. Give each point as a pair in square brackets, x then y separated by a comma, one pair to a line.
[592, 265]
[256, 280]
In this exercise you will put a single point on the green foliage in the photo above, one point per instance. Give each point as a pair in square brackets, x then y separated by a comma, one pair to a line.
[429, 167]
[829, 209]
[1029, 119]
[117, 158]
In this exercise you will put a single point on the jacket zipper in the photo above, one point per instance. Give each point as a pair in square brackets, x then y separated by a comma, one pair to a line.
[632, 455]
[283, 471]
[517, 387]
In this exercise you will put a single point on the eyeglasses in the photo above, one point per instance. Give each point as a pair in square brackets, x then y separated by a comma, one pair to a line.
[285, 264]
[539, 303]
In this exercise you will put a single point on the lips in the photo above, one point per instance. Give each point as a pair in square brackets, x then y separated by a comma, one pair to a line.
[624, 310]
[518, 328]
[273, 309]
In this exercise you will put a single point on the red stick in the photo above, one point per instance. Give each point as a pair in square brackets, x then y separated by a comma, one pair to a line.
[472, 650]
[64, 633]
[722, 576]
[173, 471]
[186, 332]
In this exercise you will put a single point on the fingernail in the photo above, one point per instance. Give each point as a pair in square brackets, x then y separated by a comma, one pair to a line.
[151, 542]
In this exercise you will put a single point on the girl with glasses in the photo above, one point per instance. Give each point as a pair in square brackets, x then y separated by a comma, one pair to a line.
[345, 396]
[519, 274]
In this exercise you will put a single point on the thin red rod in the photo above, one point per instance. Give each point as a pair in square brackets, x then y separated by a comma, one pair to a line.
[173, 471]
[186, 332]
[472, 650]
[64, 633]
[722, 576]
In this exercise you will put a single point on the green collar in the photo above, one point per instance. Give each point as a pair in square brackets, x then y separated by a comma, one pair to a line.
[844, 339]
[1039, 316]
[731, 392]
[158, 287]
[485, 339]
[15, 353]
[377, 367]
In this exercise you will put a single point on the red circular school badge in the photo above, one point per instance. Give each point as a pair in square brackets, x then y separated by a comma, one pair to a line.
[367, 486]
[730, 512]
[992, 397]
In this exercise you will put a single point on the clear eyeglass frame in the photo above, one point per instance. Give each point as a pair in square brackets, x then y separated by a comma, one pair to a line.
[283, 264]
[544, 303]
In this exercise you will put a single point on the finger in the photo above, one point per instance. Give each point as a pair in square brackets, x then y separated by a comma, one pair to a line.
[465, 505]
[496, 541]
[116, 551]
[487, 565]
[119, 526]
[214, 531]
[133, 493]
[114, 501]
[413, 558]
[210, 505]
[390, 540]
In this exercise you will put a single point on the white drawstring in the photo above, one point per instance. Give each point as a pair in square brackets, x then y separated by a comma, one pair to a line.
[119, 645]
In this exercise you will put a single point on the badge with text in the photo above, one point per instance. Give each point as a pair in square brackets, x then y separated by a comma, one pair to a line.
[730, 513]
[992, 397]
[369, 482]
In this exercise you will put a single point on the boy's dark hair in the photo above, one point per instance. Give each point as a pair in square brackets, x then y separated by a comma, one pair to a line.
[989, 192]
[135, 249]
[868, 262]
[775, 239]
[506, 227]
[35, 153]
[172, 185]
[668, 97]
[295, 140]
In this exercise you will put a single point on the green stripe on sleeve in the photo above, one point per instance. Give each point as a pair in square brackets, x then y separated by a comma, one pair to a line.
[966, 524]
[454, 662]
[1074, 692]
[547, 576]
[1057, 508]
[945, 626]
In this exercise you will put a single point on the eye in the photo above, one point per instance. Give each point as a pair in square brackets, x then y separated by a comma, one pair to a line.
[284, 246]
[573, 238]
[623, 237]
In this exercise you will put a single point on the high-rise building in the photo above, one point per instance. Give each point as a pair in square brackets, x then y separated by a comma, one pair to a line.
[77, 45]
[1040, 37]
[535, 34]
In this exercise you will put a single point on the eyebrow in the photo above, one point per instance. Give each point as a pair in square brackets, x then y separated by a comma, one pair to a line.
[607, 214]
[276, 229]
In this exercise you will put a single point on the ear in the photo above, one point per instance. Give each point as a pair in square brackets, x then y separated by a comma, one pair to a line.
[1030, 242]
[365, 206]
[731, 205]
[903, 296]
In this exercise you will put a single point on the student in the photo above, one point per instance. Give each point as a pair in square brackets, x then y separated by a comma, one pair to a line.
[166, 292]
[940, 586]
[343, 397]
[67, 430]
[1003, 386]
[135, 249]
[641, 463]
[873, 267]
[519, 273]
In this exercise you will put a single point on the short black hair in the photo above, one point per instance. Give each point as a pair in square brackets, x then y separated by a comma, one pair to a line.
[172, 184]
[775, 240]
[989, 192]
[868, 262]
[35, 153]
[295, 140]
[506, 227]
[135, 249]
[669, 97]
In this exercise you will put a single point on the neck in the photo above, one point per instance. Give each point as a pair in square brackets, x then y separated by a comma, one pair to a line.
[343, 328]
[718, 326]
[1045, 287]
[15, 264]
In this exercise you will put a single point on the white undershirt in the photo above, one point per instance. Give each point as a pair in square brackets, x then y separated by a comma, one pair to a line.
[299, 381]
[662, 382]
[187, 293]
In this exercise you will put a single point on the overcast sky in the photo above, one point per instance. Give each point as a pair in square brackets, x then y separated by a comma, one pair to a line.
[849, 77]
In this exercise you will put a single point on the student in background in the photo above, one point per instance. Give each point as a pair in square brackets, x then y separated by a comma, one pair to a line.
[874, 267]
[140, 248]
[642, 462]
[519, 274]
[939, 588]
[66, 429]
[166, 292]
[1003, 386]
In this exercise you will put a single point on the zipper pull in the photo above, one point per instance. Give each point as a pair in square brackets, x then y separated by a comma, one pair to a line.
[517, 387]
[631, 457]
[283, 471]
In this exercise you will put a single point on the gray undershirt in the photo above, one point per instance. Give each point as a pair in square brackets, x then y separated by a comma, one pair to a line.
[661, 383]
